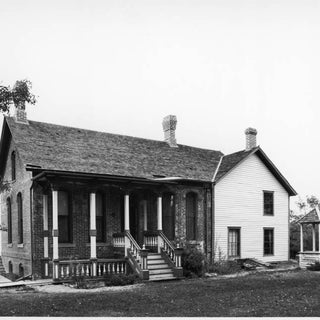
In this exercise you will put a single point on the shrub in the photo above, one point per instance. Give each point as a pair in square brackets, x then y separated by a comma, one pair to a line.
[120, 279]
[314, 267]
[225, 267]
[193, 262]
[80, 282]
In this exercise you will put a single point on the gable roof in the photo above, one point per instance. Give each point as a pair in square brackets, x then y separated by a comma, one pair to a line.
[311, 216]
[49, 147]
[230, 161]
[54, 147]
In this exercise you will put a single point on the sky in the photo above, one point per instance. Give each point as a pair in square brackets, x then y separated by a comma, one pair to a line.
[220, 66]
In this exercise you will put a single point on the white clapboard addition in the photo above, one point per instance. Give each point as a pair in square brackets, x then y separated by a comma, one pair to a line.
[239, 203]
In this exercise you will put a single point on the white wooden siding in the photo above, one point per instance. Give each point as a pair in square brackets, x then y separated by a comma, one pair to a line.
[239, 203]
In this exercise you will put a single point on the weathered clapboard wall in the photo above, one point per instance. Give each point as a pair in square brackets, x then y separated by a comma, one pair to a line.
[239, 203]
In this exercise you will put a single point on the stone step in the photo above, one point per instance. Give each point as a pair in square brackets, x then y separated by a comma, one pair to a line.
[158, 261]
[158, 266]
[162, 277]
[154, 256]
[161, 271]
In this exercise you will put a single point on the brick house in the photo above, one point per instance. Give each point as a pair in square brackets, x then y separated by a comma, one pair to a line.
[90, 203]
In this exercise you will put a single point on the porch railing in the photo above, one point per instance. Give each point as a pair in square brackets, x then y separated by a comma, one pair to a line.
[150, 239]
[119, 240]
[172, 253]
[67, 269]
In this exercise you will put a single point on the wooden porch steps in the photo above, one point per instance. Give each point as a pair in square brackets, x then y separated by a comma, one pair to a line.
[159, 270]
[2, 269]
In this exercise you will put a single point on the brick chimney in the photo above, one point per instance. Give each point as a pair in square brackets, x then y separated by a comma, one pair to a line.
[251, 138]
[20, 112]
[169, 124]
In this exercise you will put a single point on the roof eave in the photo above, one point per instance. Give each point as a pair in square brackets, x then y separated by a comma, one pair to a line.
[4, 142]
[40, 173]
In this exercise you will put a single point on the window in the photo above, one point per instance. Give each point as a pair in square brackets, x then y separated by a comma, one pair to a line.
[100, 218]
[13, 166]
[64, 219]
[10, 267]
[234, 242]
[20, 218]
[191, 213]
[268, 241]
[9, 220]
[268, 203]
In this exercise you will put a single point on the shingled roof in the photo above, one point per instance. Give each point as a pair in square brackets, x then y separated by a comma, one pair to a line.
[61, 148]
[311, 216]
[44, 146]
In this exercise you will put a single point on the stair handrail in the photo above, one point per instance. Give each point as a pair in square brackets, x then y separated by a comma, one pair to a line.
[168, 247]
[137, 256]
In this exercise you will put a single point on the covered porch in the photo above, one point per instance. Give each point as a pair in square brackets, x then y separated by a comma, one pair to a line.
[136, 223]
[309, 255]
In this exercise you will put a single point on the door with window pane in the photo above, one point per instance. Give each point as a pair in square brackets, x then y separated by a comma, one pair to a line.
[234, 242]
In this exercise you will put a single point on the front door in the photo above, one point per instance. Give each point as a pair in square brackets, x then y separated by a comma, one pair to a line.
[136, 219]
[168, 215]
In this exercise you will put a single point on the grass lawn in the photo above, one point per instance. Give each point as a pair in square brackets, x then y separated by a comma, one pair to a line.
[294, 293]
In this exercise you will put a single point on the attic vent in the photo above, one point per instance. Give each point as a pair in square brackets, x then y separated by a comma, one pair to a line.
[158, 176]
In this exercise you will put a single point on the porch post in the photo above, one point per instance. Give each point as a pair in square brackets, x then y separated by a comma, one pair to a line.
[145, 217]
[159, 217]
[313, 237]
[93, 234]
[45, 234]
[126, 223]
[55, 234]
[159, 213]
[126, 213]
[301, 237]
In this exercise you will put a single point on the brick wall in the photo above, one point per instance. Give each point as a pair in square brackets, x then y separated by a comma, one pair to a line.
[15, 252]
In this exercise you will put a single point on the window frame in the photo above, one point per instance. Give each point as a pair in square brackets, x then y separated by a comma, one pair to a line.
[20, 217]
[13, 166]
[267, 192]
[264, 242]
[69, 218]
[239, 242]
[9, 219]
